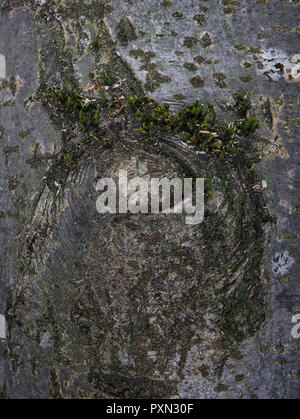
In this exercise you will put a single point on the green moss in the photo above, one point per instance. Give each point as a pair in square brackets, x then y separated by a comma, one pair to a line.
[70, 161]
[229, 10]
[154, 79]
[206, 41]
[70, 102]
[108, 80]
[125, 31]
[166, 3]
[8, 150]
[260, 65]
[267, 113]
[242, 102]
[190, 66]
[96, 43]
[200, 19]
[145, 56]
[136, 53]
[197, 82]
[196, 124]
[177, 15]
[199, 59]
[220, 80]
[179, 96]
[2, 131]
[247, 65]
[148, 56]
[149, 67]
[190, 41]
[13, 183]
[261, 36]
[255, 50]
[248, 126]
[240, 47]
[245, 79]
[22, 134]
[37, 158]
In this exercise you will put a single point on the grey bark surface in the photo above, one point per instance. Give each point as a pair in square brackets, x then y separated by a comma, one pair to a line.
[97, 307]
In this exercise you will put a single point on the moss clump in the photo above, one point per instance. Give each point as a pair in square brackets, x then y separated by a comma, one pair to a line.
[149, 67]
[261, 36]
[200, 19]
[125, 31]
[229, 10]
[197, 82]
[96, 43]
[72, 103]
[154, 79]
[108, 80]
[220, 80]
[70, 161]
[255, 50]
[8, 150]
[267, 113]
[206, 41]
[199, 59]
[136, 53]
[22, 134]
[166, 3]
[2, 131]
[260, 65]
[179, 96]
[245, 79]
[144, 56]
[190, 66]
[37, 158]
[190, 41]
[240, 47]
[196, 124]
[242, 102]
[177, 15]
[247, 65]
[248, 126]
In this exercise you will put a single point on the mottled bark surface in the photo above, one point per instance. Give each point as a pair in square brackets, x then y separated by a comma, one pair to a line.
[141, 305]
